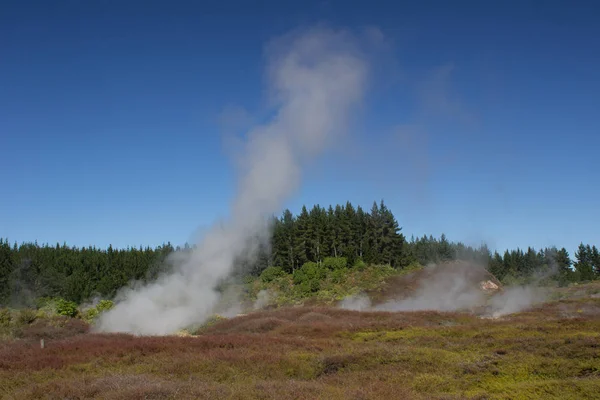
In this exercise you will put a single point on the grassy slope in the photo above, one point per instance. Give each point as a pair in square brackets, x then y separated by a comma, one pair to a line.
[550, 352]
[283, 292]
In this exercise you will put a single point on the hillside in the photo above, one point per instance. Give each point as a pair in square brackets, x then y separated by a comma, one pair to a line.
[550, 351]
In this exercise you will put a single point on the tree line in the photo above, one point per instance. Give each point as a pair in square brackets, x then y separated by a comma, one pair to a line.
[30, 270]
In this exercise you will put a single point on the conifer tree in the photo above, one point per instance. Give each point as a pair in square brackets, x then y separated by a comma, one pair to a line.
[374, 234]
[563, 264]
[584, 263]
[284, 241]
[302, 237]
[6, 270]
[317, 234]
[496, 266]
[595, 260]
[445, 251]
[360, 229]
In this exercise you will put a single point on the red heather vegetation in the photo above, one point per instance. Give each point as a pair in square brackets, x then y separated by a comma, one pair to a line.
[550, 352]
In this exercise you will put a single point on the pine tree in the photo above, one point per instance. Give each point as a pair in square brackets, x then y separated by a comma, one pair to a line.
[496, 266]
[444, 250]
[317, 234]
[392, 241]
[563, 264]
[511, 265]
[331, 232]
[531, 262]
[584, 264]
[6, 270]
[340, 229]
[360, 230]
[374, 235]
[301, 237]
[595, 260]
[350, 229]
[284, 242]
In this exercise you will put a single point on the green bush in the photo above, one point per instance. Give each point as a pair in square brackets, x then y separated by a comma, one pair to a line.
[44, 302]
[66, 308]
[104, 305]
[359, 264]
[334, 263]
[324, 284]
[338, 275]
[26, 316]
[271, 273]
[309, 277]
[413, 266]
[90, 314]
[5, 317]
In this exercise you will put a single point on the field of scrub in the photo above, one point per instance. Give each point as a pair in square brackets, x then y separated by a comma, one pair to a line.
[551, 351]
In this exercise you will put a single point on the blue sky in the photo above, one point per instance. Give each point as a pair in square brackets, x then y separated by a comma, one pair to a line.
[482, 122]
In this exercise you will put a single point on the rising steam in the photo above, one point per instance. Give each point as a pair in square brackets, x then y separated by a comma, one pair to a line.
[459, 286]
[316, 78]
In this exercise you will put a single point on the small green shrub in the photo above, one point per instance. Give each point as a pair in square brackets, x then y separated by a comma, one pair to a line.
[26, 316]
[271, 273]
[308, 278]
[90, 314]
[5, 317]
[338, 275]
[359, 264]
[334, 263]
[66, 308]
[44, 302]
[104, 305]
[46, 307]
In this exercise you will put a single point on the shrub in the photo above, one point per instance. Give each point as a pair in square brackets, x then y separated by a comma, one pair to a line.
[26, 316]
[359, 264]
[413, 266]
[334, 263]
[105, 305]
[338, 275]
[43, 302]
[5, 317]
[66, 308]
[46, 307]
[309, 277]
[271, 273]
[90, 314]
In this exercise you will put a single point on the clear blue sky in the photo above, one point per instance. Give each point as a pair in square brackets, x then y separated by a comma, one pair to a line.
[484, 125]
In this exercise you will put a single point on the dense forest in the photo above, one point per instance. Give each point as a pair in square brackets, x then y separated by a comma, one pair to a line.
[30, 270]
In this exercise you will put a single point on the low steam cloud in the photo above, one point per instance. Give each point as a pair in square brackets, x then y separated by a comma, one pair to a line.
[459, 286]
[262, 300]
[359, 302]
[316, 79]
[444, 289]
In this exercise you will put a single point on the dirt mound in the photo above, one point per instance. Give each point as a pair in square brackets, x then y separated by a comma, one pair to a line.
[313, 317]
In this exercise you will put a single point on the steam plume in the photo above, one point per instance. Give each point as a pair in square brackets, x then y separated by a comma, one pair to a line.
[445, 288]
[457, 287]
[316, 79]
